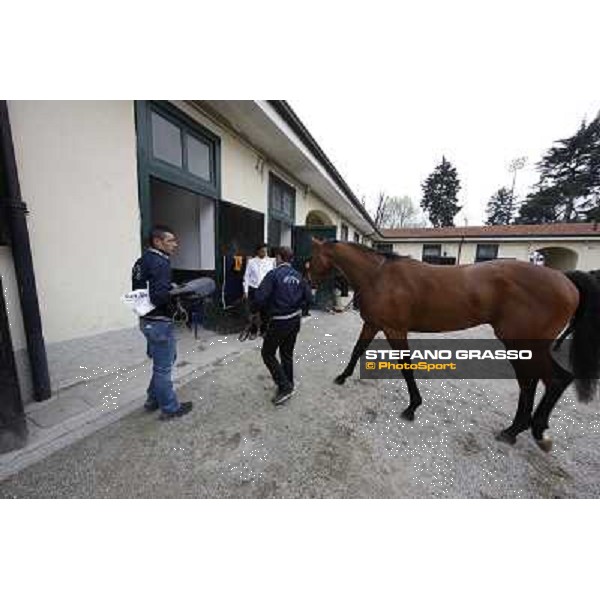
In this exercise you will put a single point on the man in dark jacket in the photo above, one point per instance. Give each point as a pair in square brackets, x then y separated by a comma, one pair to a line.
[153, 270]
[283, 295]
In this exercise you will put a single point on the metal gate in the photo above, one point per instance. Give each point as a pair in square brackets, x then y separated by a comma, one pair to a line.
[302, 236]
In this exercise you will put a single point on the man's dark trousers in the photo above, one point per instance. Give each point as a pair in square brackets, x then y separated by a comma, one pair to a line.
[281, 334]
[264, 317]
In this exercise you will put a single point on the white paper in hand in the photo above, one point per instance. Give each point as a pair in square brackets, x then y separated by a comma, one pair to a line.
[139, 302]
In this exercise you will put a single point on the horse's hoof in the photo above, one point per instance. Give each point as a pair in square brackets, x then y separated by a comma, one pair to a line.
[507, 438]
[408, 415]
[340, 380]
[545, 444]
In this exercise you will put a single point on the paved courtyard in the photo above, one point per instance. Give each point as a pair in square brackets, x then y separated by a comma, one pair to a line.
[329, 441]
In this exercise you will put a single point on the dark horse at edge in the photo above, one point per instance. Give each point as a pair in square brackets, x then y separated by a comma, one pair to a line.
[519, 300]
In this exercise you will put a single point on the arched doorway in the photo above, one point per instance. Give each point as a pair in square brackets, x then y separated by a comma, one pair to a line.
[563, 259]
[317, 218]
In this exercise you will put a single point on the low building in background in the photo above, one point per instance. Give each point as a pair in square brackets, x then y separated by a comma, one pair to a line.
[563, 246]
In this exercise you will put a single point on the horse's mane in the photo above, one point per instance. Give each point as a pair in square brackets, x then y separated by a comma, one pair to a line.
[363, 248]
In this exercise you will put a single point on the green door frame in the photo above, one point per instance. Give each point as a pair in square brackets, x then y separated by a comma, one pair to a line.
[272, 212]
[149, 167]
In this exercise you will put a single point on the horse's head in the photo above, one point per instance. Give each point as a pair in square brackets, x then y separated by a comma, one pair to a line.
[320, 262]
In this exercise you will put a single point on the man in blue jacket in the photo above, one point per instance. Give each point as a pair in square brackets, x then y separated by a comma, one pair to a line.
[283, 295]
[153, 270]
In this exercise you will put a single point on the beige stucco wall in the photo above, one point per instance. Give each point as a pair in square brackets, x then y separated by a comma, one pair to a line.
[78, 173]
[77, 165]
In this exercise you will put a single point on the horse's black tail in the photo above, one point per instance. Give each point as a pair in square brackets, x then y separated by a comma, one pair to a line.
[585, 349]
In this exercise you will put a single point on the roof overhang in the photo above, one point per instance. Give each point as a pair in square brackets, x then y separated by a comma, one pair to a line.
[271, 135]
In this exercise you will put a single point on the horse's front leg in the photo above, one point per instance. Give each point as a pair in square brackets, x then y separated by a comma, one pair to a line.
[367, 334]
[398, 341]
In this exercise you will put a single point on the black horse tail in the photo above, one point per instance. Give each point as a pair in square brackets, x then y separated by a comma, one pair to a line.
[585, 349]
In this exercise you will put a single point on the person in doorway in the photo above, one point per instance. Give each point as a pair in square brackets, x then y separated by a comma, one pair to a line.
[256, 269]
[537, 258]
[153, 270]
[283, 294]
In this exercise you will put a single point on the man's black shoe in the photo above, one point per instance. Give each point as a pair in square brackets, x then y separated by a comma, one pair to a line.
[184, 409]
[282, 397]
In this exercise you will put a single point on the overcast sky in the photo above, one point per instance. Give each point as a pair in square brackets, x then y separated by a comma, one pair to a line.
[385, 87]
[392, 144]
[509, 87]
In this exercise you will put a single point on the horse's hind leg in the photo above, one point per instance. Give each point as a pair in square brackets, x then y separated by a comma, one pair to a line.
[522, 418]
[399, 342]
[367, 334]
[554, 390]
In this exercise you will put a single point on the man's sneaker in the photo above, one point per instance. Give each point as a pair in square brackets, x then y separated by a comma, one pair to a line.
[184, 409]
[282, 397]
[150, 406]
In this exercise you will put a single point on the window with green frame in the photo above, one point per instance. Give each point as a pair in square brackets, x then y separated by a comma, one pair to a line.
[179, 149]
[383, 247]
[282, 211]
[431, 251]
[486, 252]
[174, 148]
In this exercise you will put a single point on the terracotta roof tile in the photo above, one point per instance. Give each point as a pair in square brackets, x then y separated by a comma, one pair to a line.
[546, 229]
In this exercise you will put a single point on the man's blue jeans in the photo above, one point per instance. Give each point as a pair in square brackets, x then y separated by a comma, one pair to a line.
[162, 350]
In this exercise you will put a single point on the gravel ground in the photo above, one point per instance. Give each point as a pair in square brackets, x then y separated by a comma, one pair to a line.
[329, 441]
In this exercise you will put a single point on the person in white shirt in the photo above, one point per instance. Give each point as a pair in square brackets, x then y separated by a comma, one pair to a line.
[256, 269]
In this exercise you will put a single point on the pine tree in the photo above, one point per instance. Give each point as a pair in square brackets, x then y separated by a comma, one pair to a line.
[569, 186]
[540, 207]
[439, 195]
[500, 208]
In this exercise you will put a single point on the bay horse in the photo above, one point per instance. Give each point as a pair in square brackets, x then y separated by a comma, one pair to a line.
[519, 300]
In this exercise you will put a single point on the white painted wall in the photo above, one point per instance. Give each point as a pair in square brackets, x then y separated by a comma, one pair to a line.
[207, 234]
[78, 172]
[192, 218]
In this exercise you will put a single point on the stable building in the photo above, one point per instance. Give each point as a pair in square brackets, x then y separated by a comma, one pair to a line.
[563, 246]
[81, 183]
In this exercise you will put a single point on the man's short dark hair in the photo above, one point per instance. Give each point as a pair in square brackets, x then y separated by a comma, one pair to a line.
[259, 247]
[159, 231]
[285, 252]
